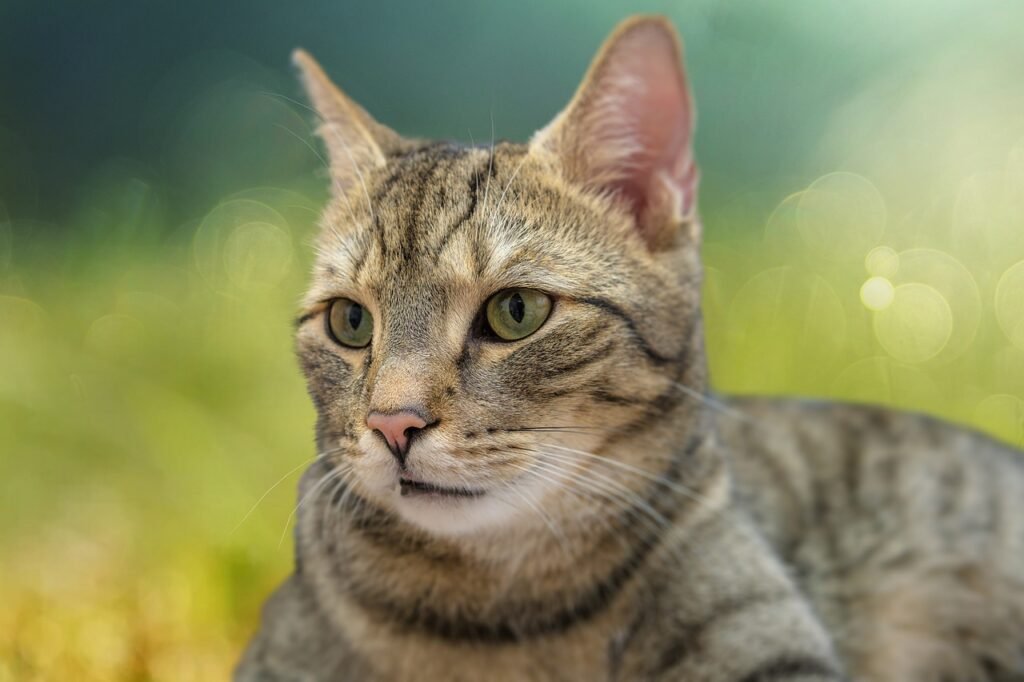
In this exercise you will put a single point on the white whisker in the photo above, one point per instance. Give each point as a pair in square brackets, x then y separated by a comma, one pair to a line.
[620, 498]
[333, 474]
[279, 482]
[329, 507]
[355, 166]
[563, 542]
[501, 199]
[713, 403]
[657, 478]
[296, 102]
[490, 166]
[614, 487]
[701, 500]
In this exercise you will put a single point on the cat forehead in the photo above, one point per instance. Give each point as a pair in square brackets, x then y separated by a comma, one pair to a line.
[459, 213]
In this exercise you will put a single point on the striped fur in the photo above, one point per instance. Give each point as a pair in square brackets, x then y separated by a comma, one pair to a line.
[631, 526]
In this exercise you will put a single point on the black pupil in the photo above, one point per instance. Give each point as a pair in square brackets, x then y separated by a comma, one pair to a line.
[355, 315]
[516, 307]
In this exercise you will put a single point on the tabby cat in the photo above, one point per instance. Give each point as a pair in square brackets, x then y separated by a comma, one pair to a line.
[521, 474]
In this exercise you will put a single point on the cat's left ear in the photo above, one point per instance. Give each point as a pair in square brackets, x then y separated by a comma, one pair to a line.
[628, 131]
[354, 140]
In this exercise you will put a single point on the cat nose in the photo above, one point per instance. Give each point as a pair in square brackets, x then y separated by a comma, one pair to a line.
[398, 428]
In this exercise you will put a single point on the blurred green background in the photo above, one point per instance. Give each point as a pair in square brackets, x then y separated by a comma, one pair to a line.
[863, 200]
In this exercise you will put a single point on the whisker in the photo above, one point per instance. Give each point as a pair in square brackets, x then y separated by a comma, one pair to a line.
[713, 403]
[279, 482]
[585, 484]
[620, 499]
[329, 507]
[296, 102]
[359, 173]
[616, 488]
[339, 190]
[333, 474]
[559, 483]
[490, 165]
[649, 475]
[653, 520]
[692, 494]
[573, 428]
[307, 144]
[501, 199]
[563, 542]
[577, 432]
[269, 490]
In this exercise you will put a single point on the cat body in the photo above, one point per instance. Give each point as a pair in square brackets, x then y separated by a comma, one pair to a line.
[521, 475]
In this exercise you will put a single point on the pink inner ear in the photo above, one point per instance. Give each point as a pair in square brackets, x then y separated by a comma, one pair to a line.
[645, 84]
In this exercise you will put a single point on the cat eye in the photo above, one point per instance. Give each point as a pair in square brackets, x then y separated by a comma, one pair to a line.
[514, 314]
[349, 323]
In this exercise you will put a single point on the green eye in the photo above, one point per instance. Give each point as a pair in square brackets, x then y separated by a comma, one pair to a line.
[349, 323]
[514, 314]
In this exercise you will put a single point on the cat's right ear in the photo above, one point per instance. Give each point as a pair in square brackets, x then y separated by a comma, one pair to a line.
[628, 131]
[355, 141]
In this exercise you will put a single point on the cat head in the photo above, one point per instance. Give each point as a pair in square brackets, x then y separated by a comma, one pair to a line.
[484, 322]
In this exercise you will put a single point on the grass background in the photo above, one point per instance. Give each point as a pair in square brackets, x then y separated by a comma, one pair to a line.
[863, 200]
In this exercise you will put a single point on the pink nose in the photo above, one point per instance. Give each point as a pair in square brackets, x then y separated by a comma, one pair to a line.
[395, 428]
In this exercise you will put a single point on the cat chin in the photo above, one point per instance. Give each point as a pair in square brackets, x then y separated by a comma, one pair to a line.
[455, 517]
[419, 498]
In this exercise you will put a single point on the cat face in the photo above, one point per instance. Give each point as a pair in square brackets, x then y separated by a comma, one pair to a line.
[484, 321]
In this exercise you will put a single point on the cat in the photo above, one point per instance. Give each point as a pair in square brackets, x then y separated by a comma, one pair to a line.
[522, 474]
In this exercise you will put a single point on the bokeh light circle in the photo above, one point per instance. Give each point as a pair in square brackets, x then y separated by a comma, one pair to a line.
[988, 215]
[116, 336]
[956, 284]
[916, 326]
[301, 212]
[20, 317]
[877, 293]
[881, 379]
[781, 227]
[1009, 304]
[257, 255]
[841, 215]
[243, 244]
[1007, 370]
[1003, 415]
[882, 261]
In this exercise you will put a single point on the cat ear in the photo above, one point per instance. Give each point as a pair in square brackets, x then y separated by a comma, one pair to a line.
[628, 130]
[354, 141]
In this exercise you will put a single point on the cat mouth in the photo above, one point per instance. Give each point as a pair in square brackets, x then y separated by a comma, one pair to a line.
[410, 487]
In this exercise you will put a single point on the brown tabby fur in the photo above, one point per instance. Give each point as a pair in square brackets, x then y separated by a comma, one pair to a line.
[634, 527]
